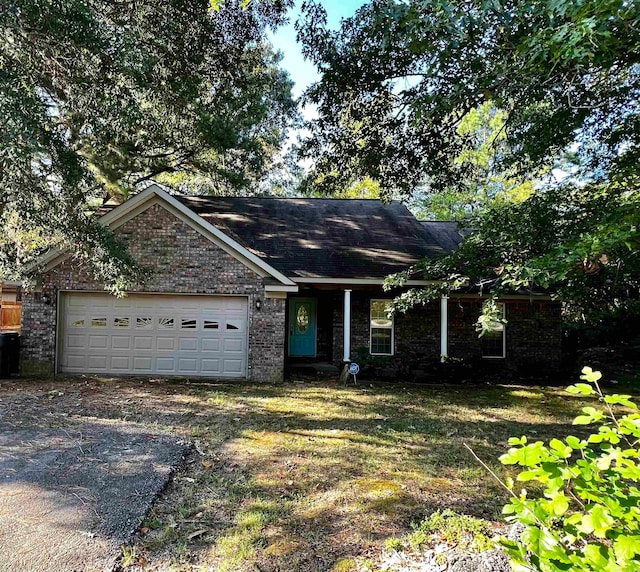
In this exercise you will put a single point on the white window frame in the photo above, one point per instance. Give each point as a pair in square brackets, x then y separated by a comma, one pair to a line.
[371, 327]
[503, 306]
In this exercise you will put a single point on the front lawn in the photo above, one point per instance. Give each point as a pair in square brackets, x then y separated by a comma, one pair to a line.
[305, 477]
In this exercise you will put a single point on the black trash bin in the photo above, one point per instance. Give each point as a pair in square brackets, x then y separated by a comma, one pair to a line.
[9, 353]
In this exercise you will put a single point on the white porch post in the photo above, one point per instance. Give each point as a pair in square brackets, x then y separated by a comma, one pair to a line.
[347, 326]
[444, 328]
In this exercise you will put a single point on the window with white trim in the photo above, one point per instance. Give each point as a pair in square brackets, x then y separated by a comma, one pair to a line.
[381, 328]
[494, 340]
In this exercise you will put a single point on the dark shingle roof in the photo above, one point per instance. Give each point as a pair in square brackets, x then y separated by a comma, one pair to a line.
[323, 238]
[444, 232]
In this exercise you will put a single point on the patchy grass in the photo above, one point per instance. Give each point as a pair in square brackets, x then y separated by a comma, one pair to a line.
[449, 527]
[305, 477]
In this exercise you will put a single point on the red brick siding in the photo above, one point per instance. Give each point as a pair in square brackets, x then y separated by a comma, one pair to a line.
[177, 259]
[533, 331]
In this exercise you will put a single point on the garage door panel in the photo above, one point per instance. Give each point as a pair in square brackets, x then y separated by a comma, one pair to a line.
[99, 363]
[75, 341]
[188, 344]
[120, 363]
[211, 366]
[143, 342]
[187, 365]
[210, 345]
[166, 364]
[233, 346]
[98, 342]
[142, 363]
[171, 334]
[165, 343]
[121, 342]
[232, 366]
[75, 362]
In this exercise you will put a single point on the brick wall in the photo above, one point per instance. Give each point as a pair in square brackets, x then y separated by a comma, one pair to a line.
[176, 259]
[416, 333]
[533, 332]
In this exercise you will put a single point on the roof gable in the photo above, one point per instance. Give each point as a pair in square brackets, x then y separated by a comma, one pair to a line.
[154, 194]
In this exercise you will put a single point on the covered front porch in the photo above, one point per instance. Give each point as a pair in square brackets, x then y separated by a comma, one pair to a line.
[329, 325]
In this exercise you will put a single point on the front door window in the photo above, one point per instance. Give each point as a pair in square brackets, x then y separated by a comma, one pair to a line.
[302, 319]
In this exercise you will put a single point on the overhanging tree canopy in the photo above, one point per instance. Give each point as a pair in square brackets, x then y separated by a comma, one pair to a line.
[398, 77]
[98, 96]
[401, 77]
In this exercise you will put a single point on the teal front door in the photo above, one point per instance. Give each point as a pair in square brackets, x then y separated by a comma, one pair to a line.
[302, 327]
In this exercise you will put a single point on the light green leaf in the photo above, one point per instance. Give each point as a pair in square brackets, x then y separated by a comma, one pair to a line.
[598, 522]
[620, 400]
[558, 505]
[575, 518]
[626, 546]
[560, 448]
[589, 375]
[596, 554]
[575, 443]
[581, 388]
[529, 475]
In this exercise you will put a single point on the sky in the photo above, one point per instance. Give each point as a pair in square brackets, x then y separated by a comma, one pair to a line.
[303, 72]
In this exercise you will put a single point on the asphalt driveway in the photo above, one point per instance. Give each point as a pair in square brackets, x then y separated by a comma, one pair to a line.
[72, 493]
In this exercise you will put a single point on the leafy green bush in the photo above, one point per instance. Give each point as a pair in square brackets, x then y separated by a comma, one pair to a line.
[589, 515]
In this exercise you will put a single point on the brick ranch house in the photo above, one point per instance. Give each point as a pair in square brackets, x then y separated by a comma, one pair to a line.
[241, 287]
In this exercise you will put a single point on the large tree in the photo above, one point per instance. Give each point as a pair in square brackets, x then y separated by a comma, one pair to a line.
[579, 241]
[99, 96]
[399, 84]
[399, 76]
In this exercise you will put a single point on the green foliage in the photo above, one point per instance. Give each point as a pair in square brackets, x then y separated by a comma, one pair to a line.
[394, 544]
[129, 556]
[464, 105]
[588, 517]
[451, 528]
[581, 243]
[367, 188]
[364, 358]
[485, 180]
[402, 80]
[97, 97]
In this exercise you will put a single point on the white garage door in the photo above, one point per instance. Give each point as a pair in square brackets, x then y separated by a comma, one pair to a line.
[153, 333]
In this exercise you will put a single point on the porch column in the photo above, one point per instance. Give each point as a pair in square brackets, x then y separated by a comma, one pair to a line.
[346, 329]
[444, 328]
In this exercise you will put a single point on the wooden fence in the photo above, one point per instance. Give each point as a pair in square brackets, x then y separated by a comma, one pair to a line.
[10, 315]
